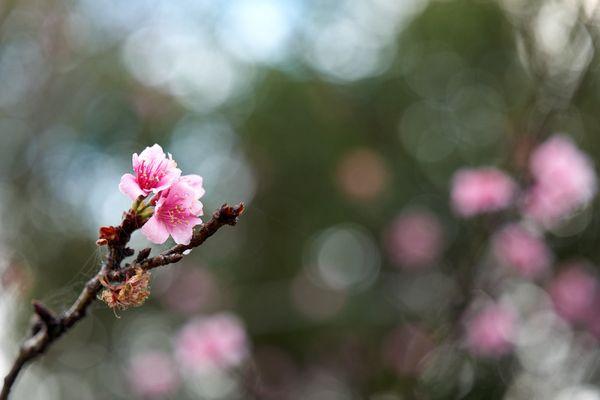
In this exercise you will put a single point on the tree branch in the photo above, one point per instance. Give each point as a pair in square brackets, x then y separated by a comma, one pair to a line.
[48, 327]
[226, 215]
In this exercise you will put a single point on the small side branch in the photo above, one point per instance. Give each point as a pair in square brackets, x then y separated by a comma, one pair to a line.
[226, 215]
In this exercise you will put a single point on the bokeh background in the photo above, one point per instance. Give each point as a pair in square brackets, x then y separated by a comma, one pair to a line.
[330, 120]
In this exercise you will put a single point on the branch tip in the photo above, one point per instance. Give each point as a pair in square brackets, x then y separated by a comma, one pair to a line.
[229, 214]
[46, 315]
[143, 254]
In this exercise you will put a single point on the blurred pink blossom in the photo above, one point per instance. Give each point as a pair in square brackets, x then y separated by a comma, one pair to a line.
[152, 375]
[564, 179]
[218, 342]
[176, 212]
[517, 248]
[192, 290]
[154, 171]
[415, 239]
[481, 190]
[491, 331]
[573, 292]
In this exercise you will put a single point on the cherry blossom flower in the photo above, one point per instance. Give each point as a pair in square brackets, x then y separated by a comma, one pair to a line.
[415, 239]
[152, 375]
[517, 248]
[213, 343]
[176, 212]
[491, 331]
[192, 290]
[481, 190]
[564, 180]
[573, 292]
[153, 170]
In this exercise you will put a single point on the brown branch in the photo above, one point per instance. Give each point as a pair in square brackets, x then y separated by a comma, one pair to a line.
[226, 215]
[49, 327]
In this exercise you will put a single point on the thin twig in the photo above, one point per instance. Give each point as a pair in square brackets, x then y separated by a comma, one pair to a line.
[49, 327]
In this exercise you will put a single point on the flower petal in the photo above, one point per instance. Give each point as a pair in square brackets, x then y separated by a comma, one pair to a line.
[129, 187]
[182, 233]
[154, 152]
[196, 208]
[195, 182]
[155, 231]
[172, 175]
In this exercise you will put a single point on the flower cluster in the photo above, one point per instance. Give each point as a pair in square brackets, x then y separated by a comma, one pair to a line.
[152, 375]
[573, 292]
[563, 180]
[204, 346]
[209, 344]
[478, 191]
[521, 250]
[160, 191]
[491, 331]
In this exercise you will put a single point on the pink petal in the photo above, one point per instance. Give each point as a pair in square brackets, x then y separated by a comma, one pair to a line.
[154, 152]
[135, 160]
[182, 234]
[196, 208]
[155, 231]
[129, 187]
[195, 182]
[172, 175]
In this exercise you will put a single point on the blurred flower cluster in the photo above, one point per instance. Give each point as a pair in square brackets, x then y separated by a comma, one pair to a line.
[563, 181]
[204, 348]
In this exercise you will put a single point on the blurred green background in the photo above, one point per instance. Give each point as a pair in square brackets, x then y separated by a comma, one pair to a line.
[328, 119]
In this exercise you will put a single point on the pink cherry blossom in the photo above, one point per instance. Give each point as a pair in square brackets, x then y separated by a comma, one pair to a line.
[481, 190]
[564, 179]
[517, 248]
[573, 292]
[152, 375]
[153, 172]
[415, 239]
[218, 342]
[491, 331]
[195, 183]
[176, 212]
[192, 290]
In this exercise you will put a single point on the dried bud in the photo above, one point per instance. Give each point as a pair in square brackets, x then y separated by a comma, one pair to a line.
[229, 214]
[131, 293]
[107, 234]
